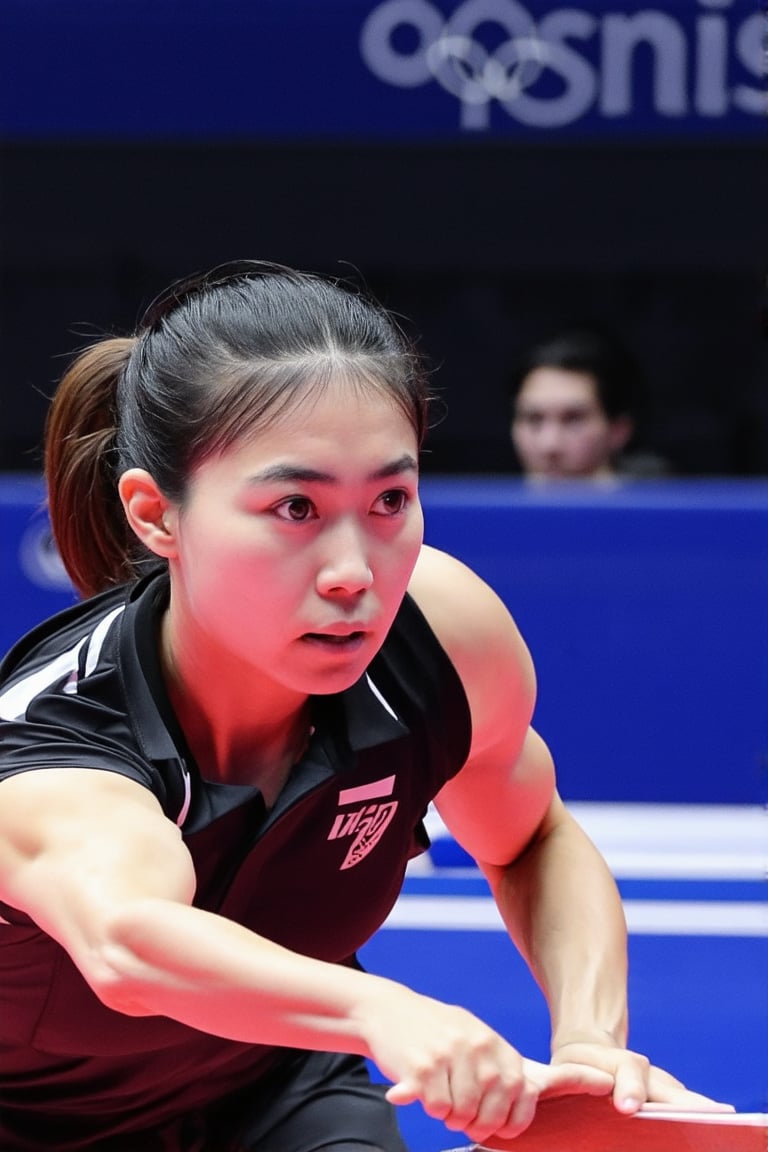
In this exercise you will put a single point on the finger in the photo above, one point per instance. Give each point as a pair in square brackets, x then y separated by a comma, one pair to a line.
[404, 1092]
[631, 1082]
[630, 1071]
[487, 1101]
[568, 1079]
[430, 1088]
[693, 1102]
[665, 1089]
[595, 1055]
[519, 1114]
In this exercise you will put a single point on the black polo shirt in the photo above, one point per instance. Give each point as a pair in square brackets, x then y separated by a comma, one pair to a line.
[318, 873]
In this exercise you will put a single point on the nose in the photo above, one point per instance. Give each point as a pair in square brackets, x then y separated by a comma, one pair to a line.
[345, 568]
[550, 436]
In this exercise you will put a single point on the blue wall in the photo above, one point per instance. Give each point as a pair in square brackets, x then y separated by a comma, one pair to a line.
[645, 608]
[380, 69]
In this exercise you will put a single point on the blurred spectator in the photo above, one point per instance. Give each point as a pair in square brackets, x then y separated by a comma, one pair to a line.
[574, 410]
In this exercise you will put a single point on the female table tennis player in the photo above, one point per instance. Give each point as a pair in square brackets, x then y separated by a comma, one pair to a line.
[215, 766]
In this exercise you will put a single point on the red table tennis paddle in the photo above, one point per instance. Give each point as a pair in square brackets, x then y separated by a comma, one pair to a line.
[591, 1124]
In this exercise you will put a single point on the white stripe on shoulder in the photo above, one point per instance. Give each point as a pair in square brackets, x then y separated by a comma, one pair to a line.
[380, 698]
[16, 699]
[98, 637]
[187, 799]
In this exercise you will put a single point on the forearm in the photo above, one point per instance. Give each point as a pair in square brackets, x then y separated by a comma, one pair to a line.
[164, 958]
[562, 909]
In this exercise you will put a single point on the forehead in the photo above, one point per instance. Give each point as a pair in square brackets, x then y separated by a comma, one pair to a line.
[556, 388]
[340, 426]
[337, 407]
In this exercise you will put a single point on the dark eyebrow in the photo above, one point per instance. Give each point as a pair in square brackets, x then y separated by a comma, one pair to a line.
[406, 463]
[296, 474]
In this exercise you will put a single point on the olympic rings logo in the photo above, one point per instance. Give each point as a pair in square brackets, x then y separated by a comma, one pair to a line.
[449, 52]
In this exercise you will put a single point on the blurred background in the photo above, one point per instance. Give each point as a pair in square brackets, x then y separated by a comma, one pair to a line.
[495, 171]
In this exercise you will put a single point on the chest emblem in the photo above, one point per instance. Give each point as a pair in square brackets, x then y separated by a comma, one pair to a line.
[362, 820]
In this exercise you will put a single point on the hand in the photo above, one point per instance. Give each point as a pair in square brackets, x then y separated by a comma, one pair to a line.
[636, 1080]
[462, 1072]
[564, 1079]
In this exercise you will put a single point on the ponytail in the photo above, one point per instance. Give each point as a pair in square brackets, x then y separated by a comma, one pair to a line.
[94, 539]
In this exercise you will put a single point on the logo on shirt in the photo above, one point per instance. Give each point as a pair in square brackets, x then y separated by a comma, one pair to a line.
[367, 822]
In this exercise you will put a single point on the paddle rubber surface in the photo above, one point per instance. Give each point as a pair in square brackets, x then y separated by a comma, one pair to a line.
[590, 1124]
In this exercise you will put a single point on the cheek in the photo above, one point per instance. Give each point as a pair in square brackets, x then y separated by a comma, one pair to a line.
[413, 538]
[392, 561]
[243, 607]
[525, 439]
[587, 436]
[228, 578]
[598, 442]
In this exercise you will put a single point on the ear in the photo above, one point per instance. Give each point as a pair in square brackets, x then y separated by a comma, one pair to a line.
[622, 429]
[150, 514]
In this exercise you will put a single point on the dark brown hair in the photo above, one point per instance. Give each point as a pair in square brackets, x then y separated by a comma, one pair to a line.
[591, 351]
[214, 358]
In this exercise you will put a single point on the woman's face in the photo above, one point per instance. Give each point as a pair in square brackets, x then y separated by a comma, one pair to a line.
[294, 547]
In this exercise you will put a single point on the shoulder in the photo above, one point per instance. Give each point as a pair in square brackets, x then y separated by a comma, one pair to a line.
[58, 635]
[77, 693]
[482, 641]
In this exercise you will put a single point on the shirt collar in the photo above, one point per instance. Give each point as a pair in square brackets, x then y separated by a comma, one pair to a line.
[370, 719]
[367, 716]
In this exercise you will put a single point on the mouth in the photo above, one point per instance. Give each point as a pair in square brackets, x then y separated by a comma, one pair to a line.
[349, 641]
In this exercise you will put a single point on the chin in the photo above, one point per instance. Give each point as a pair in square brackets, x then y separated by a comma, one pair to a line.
[325, 680]
[325, 685]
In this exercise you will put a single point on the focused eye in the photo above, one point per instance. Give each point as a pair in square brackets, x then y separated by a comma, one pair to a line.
[297, 509]
[390, 503]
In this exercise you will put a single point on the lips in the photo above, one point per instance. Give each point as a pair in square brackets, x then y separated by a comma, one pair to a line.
[339, 639]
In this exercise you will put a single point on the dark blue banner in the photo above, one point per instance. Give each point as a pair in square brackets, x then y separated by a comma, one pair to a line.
[395, 70]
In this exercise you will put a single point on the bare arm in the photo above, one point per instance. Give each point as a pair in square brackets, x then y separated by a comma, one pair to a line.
[562, 909]
[93, 860]
[553, 888]
[100, 868]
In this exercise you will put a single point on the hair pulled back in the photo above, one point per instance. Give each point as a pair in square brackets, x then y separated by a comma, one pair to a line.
[216, 357]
